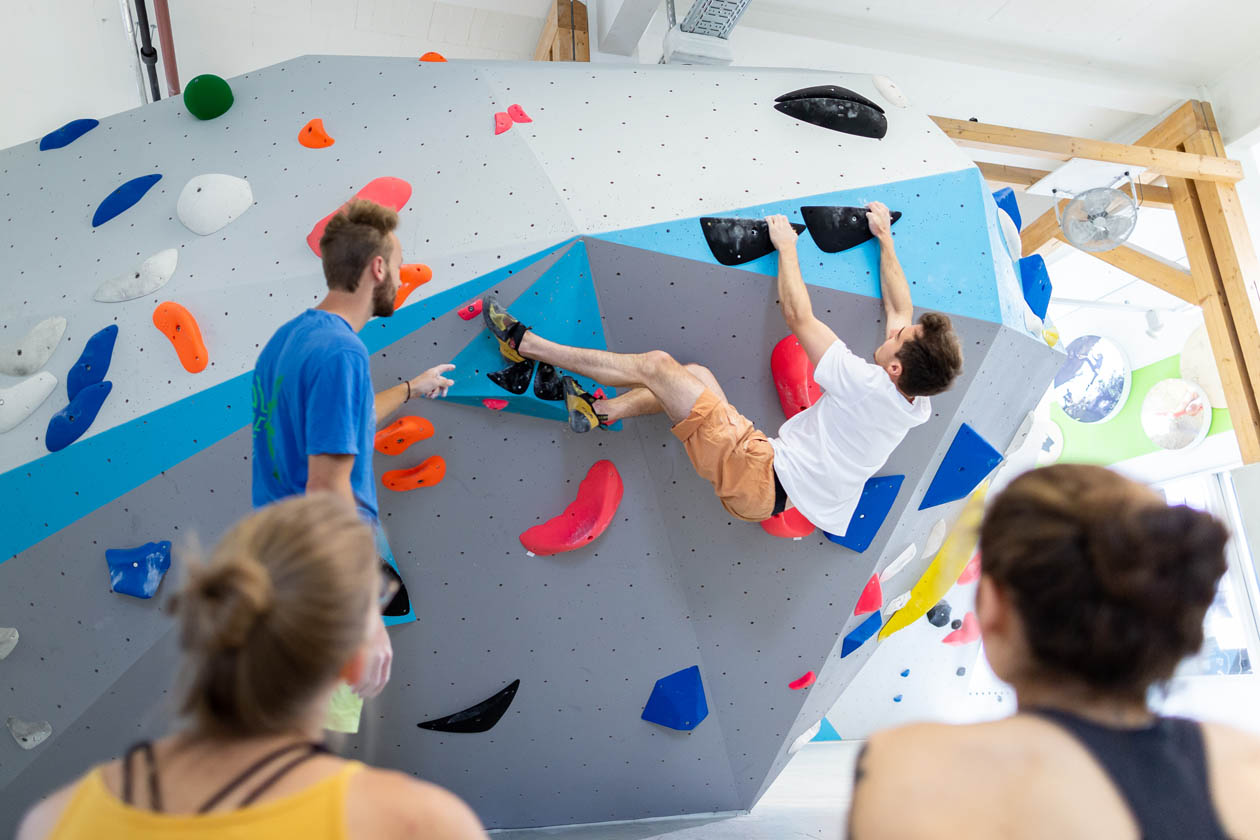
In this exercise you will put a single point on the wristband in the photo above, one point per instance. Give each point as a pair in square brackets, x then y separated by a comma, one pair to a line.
[407, 398]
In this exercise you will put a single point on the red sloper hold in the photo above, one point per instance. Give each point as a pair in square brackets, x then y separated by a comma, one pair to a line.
[502, 122]
[493, 404]
[393, 193]
[793, 377]
[966, 634]
[517, 113]
[584, 519]
[789, 524]
[804, 682]
[971, 571]
[470, 310]
[871, 599]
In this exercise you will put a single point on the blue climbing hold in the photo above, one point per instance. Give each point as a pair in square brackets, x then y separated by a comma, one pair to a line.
[858, 635]
[897, 698]
[1036, 282]
[877, 499]
[826, 732]
[905, 673]
[69, 424]
[67, 134]
[138, 571]
[123, 198]
[93, 362]
[1005, 199]
[969, 459]
[677, 701]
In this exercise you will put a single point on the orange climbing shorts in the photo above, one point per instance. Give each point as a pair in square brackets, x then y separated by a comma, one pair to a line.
[729, 452]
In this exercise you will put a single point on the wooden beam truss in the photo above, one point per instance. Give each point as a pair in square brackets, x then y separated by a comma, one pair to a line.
[565, 35]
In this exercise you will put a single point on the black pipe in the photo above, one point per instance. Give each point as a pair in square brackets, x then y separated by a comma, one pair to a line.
[147, 54]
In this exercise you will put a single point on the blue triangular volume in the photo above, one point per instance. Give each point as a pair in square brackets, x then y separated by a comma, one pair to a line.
[859, 635]
[677, 701]
[1005, 199]
[877, 499]
[1036, 282]
[826, 732]
[969, 459]
[562, 306]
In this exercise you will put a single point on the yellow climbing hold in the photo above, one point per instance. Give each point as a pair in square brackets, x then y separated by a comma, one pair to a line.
[344, 710]
[1050, 332]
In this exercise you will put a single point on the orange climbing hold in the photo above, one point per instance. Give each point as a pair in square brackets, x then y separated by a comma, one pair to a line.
[313, 136]
[967, 633]
[397, 436]
[971, 571]
[585, 518]
[413, 276]
[789, 524]
[493, 404]
[803, 682]
[430, 472]
[178, 324]
[433, 56]
[502, 122]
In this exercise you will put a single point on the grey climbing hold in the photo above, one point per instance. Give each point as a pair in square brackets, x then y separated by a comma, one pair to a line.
[208, 203]
[20, 401]
[961, 672]
[805, 738]
[935, 539]
[938, 616]
[146, 278]
[29, 734]
[903, 560]
[34, 348]
[8, 640]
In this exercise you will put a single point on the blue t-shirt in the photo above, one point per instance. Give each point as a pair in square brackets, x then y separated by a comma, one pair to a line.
[313, 395]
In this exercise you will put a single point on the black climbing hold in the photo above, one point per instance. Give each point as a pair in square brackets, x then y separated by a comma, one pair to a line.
[836, 108]
[548, 385]
[737, 241]
[400, 604]
[961, 672]
[938, 616]
[514, 378]
[838, 229]
[479, 718]
[955, 624]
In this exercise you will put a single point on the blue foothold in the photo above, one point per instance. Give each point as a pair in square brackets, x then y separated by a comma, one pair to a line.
[897, 699]
[123, 198]
[966, 463]
[1005, 199]
[876, 500]
[905, 673]
[858, 635]
[67, 134]
[67, 425]
[1035, 281]
[677, 701]
[93, 362]
[138, 571]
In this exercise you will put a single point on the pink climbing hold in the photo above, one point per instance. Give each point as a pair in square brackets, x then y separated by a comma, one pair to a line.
[470, 310]
[971, 571]
[803, 682]
[790, 524]
[599, 394]
[966, 634]
[393, 193]
[517, 113]
[494, 405]
[793, 377]
[871, 599]
[586, 517]
[502, 122]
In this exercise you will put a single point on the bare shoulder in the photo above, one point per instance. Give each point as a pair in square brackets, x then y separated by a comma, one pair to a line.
[386, 804]
[1234, 772]
[43, 817]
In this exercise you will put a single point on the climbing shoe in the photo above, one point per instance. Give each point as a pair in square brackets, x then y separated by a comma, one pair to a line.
[581, 406]
[504, 327]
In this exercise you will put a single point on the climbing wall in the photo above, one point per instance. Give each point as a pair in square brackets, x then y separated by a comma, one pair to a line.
[590, 214]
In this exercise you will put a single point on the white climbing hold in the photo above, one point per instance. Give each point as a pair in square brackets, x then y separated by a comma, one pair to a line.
[8, 640]
[29, 734]
[1021, 435]
[888, 89]
[1010, 234]
[935, 538]
[805, 738]
[146, 278]
[29, 354]
[209, 202]
[897, 603]
[903, 560]
[20, 401]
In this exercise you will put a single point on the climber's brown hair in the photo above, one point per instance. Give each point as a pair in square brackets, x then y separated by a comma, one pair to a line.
[353, 238]
[1110, 582]
[931, 362]
[270, 619]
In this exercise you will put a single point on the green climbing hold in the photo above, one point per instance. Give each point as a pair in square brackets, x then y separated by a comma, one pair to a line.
[208, 96]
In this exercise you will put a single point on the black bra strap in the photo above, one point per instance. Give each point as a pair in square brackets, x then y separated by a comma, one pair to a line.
[155, 795]
[258, 765]
[315, 749]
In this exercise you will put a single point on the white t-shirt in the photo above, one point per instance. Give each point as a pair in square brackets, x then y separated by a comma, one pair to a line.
[824, 455]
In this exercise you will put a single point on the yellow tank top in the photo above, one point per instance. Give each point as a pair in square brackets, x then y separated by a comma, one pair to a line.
[316, 813]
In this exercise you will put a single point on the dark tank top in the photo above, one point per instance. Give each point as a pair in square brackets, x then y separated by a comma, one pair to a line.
[1160, 770]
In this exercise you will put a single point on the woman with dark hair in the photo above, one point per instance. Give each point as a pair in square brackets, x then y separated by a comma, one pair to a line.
[270, 625]
[1092, 590]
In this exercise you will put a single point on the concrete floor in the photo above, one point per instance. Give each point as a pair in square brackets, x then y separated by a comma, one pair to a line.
[810, 799]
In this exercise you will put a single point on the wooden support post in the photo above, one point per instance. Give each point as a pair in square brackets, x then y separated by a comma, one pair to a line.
[1154, 269]
[564, 34]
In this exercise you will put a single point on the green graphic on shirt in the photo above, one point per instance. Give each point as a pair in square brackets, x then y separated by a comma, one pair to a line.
[264, 410]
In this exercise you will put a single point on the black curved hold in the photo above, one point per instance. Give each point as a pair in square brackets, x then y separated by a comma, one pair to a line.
[400, 604]
[838, 229]
[828, 92]
[737, 241]
[844, 115]
[479, 718]
[514, 378]
[548, 384]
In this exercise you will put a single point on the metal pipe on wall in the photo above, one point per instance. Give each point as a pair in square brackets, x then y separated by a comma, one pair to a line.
[166, 39]
[147, 54]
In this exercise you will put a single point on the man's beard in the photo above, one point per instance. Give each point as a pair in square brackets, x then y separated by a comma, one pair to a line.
[383, 301]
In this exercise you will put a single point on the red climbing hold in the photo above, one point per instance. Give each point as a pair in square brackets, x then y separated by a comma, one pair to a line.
[971, 571]
[393, 193]
[517, 113]
[502, 122]
[789, 524]
[412, 277]
[871, 599]
[397, 436]
[431, 471]
[584, 519]
[433, 56]
[966, 634]
[793, 377]
[803, 682]
[470, 310]
[494, 405]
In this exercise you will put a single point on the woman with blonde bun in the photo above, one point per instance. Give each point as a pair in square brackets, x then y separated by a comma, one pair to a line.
[274, 620]
[1092, 590]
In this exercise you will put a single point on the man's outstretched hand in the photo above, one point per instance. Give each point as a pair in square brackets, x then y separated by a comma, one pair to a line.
[432, 383]
[879, 218]
[782, 234]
